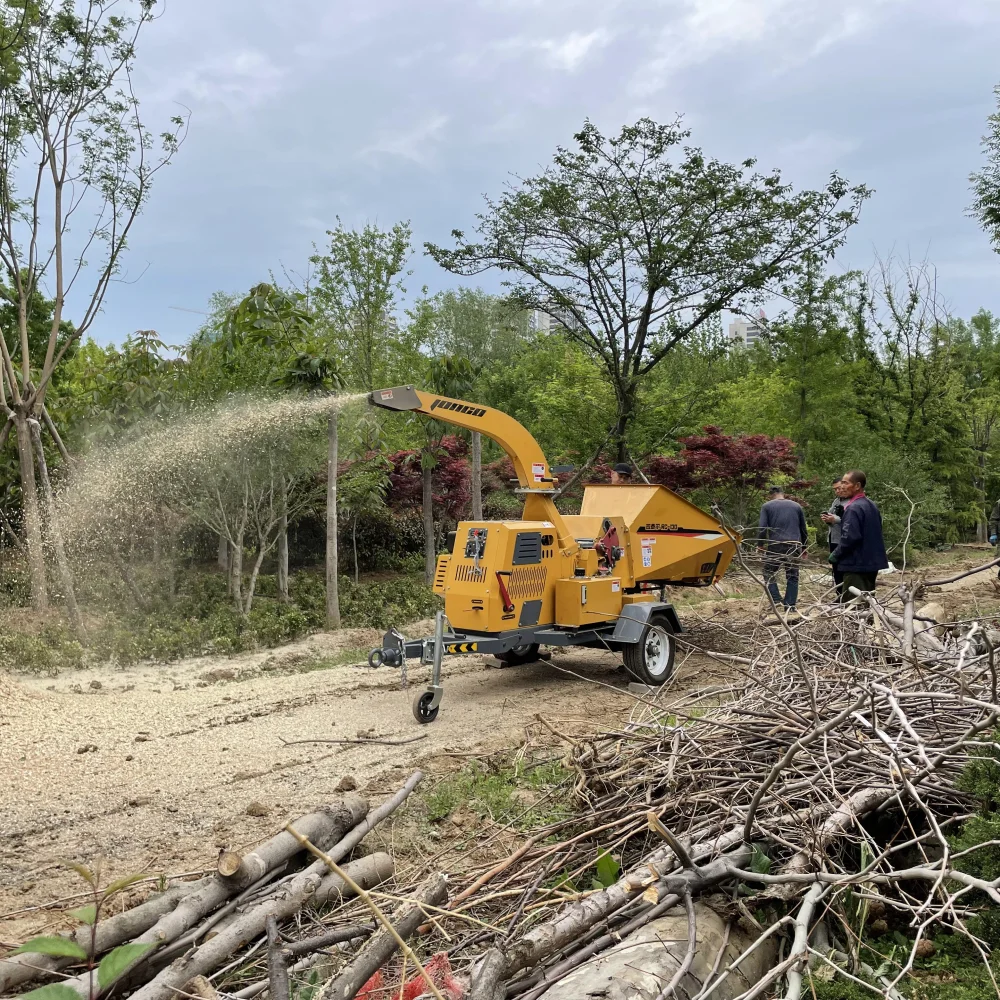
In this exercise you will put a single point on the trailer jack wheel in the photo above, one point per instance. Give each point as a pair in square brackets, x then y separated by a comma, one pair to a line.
[424, 709]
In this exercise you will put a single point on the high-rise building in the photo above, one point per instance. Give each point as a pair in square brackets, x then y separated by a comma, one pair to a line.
[543, 322]
[747, 332]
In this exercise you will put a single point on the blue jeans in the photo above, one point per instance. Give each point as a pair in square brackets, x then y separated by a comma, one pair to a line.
[783, 555]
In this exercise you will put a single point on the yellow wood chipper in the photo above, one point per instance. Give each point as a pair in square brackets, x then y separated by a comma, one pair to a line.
[553, 579]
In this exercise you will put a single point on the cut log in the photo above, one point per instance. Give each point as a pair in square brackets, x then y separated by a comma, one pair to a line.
[19, 969]
[383, 946]
[328, 824]
[648, 959]
[229, 863]
[287, 900]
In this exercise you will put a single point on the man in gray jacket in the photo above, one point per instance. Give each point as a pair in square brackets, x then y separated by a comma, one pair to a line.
[783, 538]
[832, 519]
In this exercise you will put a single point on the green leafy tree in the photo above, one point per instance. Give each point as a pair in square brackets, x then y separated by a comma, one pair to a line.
[985, 208]
[316, 371]
[361, 494]
[73, 146]
[910, 387]
[810, 345]
[357, 283]
[283, 324]
[634, 242]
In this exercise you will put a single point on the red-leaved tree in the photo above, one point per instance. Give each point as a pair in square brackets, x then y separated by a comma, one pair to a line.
[450, 481]
[730, 470]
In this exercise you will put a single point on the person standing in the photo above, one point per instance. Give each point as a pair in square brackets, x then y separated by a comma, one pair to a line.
[860, 554]
[994, 530]
[832, 519]
[783, 537]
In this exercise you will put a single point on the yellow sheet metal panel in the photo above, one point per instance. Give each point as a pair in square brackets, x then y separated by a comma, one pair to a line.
[668, 538]
[645, 598]
[584, 600]
[441, 573]
[473, 596]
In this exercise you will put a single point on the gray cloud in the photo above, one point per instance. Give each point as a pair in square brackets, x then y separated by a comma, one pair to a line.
[387, 110]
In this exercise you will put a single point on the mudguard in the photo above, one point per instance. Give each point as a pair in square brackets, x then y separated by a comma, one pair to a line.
[633, 619]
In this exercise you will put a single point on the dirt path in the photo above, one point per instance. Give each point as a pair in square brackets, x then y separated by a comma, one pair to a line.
[155, 767]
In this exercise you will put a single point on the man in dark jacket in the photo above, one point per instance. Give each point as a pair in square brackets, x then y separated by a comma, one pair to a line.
[783, 536]
[994, 531]
[861, 552]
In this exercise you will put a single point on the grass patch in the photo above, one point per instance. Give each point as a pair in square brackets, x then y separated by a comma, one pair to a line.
[954, 972]
[521, 792]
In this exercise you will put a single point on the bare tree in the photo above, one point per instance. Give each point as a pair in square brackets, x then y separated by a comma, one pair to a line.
[76, 166]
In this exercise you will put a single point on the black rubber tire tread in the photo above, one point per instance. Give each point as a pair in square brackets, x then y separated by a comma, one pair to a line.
[515, 659]
[421, 708]
[635, 659]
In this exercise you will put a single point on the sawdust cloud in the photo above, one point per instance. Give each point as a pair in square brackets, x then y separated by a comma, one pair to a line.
[120, 488]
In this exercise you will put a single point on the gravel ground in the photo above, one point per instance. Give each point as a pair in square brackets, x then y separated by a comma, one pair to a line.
[156, 768]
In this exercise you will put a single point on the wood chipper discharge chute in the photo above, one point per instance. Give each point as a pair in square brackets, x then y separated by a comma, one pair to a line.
[553, 579]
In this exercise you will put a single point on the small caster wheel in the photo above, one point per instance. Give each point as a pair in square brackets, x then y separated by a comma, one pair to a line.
[422, 710]
[376, 658]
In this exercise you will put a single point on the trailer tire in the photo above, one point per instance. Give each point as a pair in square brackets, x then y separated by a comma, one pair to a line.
[527, 653]
[651, 659]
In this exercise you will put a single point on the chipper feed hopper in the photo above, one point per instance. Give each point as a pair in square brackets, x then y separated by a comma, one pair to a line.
[553, 579]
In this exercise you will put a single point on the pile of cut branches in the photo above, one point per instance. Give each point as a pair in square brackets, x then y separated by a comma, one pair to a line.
[825, 775]
[822, 782]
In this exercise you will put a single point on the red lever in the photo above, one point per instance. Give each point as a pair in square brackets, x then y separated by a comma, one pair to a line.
[508, 605]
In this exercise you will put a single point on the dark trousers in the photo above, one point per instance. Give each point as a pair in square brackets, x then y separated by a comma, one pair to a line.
[865, 582]
[783, 555]
[838, 579]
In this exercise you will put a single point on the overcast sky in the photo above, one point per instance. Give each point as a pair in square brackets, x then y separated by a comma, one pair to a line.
[413, 109]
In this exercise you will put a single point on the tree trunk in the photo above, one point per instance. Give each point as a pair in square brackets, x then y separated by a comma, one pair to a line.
[126, 572]
[283, 543]
[254, 573]
[332, 594]
[626, 411]
[32, 520]
[477, 476]
[65, 573]
[354, 546]
[171, 566]
[426, 473]
[223, 555]
[236, 571]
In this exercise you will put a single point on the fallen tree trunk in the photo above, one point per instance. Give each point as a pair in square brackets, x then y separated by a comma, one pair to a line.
[285, 902]
[577, 919]
[652, 958]
[383, 946]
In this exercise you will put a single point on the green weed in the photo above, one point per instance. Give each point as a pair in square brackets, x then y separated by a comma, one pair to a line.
[491, 791]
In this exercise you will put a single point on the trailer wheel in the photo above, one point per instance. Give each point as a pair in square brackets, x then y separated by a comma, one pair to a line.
[422, 709]
[527, 653]
[651, 659]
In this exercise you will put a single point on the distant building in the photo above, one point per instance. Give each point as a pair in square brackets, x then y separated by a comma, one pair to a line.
[747, 332]
[543, 322]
